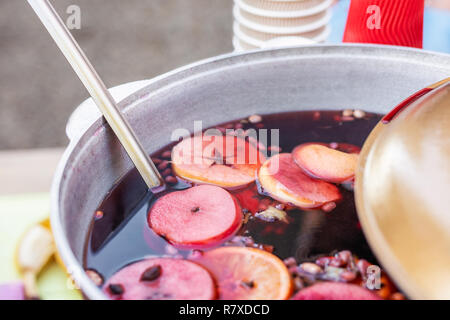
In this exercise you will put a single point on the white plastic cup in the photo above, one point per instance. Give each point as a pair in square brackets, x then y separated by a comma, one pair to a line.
[247, 42]
[290, 41]
[284, 8]
[281, 25]
[318, 35]
[240, 45]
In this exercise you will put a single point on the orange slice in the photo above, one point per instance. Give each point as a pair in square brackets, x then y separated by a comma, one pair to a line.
[247, 273]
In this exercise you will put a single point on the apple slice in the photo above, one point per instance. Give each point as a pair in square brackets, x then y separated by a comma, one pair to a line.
[322, 162]
[284, 181]
[225, 161]
[161, 279]
[204, 215]
[344, 147]
[335, 291]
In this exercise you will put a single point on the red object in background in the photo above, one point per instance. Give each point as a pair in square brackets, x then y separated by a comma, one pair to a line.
[395, 22]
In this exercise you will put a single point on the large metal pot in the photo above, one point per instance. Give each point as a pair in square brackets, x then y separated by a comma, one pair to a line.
[373, 78]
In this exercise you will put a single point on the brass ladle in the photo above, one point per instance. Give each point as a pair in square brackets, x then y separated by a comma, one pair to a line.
[402, 192]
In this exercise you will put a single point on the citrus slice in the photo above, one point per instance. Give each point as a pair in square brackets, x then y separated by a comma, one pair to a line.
[247, 273]
[225, 161]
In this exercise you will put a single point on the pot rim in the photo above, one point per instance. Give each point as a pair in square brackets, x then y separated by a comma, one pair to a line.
[75, 268]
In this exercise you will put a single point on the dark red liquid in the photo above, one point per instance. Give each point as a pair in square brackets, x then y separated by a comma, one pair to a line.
[122, 235]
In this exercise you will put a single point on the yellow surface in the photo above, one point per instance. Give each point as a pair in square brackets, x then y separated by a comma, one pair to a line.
[17, 213]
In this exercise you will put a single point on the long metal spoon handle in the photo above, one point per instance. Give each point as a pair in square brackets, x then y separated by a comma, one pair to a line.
[97, 89]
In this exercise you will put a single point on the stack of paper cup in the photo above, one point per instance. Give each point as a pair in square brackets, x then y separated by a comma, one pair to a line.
[269, 23]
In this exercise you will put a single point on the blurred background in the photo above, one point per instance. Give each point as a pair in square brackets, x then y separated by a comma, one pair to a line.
[139, 40]
[38, 90]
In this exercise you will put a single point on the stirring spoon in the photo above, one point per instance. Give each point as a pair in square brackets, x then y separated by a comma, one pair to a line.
[98, 91]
